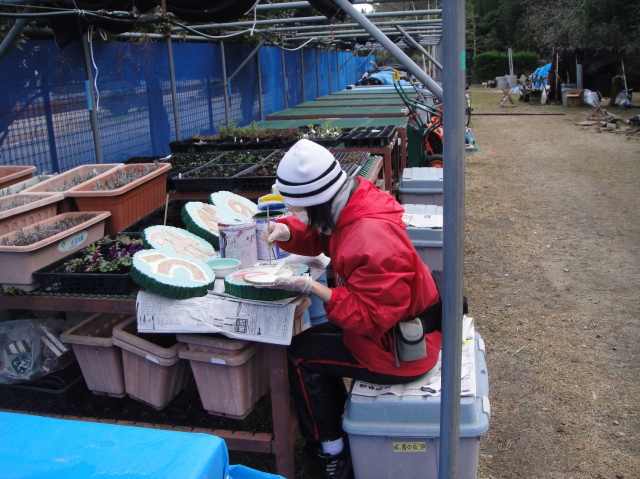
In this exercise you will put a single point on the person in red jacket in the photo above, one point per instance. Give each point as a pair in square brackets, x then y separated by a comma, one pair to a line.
[379, 281]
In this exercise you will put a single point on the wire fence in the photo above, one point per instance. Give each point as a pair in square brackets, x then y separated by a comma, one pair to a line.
[44, 116]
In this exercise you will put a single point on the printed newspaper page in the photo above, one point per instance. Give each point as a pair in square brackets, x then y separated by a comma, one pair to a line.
[234, 318]
[429, 384]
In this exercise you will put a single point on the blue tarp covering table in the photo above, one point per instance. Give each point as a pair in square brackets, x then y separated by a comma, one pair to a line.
[41, 447]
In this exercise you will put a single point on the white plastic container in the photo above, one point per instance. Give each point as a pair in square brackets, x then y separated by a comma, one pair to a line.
[427, 241]
[422, 186]
[399, 437]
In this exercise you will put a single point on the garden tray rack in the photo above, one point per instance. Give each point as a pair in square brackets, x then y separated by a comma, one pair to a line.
[352, 161]
[83, 283]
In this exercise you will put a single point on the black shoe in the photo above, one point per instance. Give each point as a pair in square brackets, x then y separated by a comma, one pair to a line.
[338, 466]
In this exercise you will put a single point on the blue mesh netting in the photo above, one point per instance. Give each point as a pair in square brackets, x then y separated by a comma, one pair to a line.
[44, 119]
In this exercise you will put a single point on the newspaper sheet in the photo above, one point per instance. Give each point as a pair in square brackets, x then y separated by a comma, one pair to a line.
[429, 384]
[235, 318]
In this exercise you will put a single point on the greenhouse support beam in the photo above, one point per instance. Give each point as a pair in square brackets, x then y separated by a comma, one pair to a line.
[91, 100]
[284, 21]
[224, 85]
[411, 41]
[340, 26]
[302, 73]
[246, 60]
[284, 80]
[453, 80]
[174, 92]
[260, 98]
[436, 35]
[302, 5]
[360, 31]
[13, 34]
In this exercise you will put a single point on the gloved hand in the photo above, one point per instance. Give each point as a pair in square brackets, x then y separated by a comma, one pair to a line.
[276, 232]
[295, 283]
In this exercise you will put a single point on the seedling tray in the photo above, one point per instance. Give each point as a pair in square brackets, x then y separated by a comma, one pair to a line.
[54, 388]
[53, 281]
[262, 176]
[230, 163]
[371, 137]
[351, 162]
[156, 217]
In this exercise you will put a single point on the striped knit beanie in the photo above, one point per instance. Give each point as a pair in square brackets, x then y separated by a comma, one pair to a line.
[309, 175]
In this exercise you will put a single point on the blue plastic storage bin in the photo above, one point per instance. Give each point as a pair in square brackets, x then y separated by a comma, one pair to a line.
[427, 241]
[399, 437]
[317, 314]
[422, 186]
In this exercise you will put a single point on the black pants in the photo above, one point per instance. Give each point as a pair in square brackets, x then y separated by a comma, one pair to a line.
[318, 360]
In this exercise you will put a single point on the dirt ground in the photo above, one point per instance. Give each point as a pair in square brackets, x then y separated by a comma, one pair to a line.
[552, 261]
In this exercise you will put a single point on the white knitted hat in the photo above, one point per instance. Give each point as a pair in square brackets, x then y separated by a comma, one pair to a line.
[309, 175]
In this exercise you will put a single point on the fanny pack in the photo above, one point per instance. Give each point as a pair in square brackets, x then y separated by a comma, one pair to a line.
[408, 336]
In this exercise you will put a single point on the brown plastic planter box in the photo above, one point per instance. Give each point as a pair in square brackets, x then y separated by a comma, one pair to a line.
[25, 215]
[10, 175]
[214, 343]
[153, 372]
[19, 262]
[129, 203]
[99, 359]
[229, 384]
[23, 185]
[69, 204]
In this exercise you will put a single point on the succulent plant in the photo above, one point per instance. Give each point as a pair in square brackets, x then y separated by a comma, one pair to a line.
[74, 181]
[16, 202]
[41, 232]
[123, 177]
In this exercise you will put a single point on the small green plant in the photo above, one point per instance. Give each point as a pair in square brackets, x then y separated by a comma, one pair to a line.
[123, 177]
[16, 202]
[321, 133]
[75, 181]
[41, 232]
[107, 255]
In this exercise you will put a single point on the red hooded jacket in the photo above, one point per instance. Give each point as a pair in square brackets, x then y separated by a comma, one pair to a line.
[380, 279]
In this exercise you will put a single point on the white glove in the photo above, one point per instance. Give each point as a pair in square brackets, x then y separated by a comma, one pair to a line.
[295, 283]
[276, 232]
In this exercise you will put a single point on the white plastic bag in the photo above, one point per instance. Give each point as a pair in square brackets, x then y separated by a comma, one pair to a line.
[31, 348]
[591, 98]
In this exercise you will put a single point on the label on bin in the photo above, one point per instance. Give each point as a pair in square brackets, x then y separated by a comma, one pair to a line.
[72, 242]
[409, 447]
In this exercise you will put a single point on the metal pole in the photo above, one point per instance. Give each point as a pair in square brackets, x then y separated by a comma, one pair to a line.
[13, 34]
[260, 99]
[93, 114]
[317, 73]
[329, 71]
[391, 47]
[284, 80]
[172, 76]
[453, 79]
[338, 68]
[302, 74]
[246, 60]
[174, 93]
[411, 41]
[225, 84]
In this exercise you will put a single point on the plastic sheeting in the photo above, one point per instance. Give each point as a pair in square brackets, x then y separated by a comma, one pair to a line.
[40, 447]
[243, 472]
[44, 119]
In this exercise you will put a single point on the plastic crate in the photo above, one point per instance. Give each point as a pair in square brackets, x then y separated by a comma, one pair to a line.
[83, 283]
[399, 437]
[156, 217]
[428, 242]
[422, 186]
[55, 388]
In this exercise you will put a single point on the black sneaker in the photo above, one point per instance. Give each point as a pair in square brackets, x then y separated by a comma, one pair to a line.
[338, 466]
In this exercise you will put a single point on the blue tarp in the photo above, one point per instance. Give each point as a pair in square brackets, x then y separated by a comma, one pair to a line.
[385, 77]
[541, 72]
[39, 447]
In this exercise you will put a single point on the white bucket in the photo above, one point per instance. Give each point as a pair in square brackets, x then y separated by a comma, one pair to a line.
[238, 240]
[263, 246]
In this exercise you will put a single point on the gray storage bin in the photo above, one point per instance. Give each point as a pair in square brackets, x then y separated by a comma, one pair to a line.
[427, 241]
[399, 437]
[421, 186]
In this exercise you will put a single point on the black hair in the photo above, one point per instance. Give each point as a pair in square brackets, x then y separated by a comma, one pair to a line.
[320, 217]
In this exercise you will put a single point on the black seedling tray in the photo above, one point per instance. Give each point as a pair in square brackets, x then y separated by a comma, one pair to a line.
[328, 142]
[249, 181]
[369, 137]
[156, 217]
[192, 182]
[143, 159]
[54, 388]
[351, 162]
[52, 281]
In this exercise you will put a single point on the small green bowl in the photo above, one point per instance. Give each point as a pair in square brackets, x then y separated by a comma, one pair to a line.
[223, 266]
